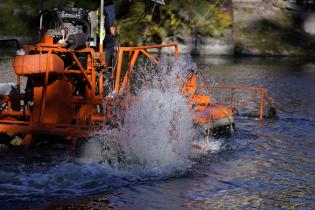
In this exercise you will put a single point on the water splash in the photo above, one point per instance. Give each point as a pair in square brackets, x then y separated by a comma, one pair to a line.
[205, 146]
[157, 133]
[154, 142]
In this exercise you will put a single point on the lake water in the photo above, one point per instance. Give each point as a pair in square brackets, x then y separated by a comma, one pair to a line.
[267, 166]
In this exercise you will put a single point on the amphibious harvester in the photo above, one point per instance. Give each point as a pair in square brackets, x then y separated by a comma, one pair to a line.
[71, 92]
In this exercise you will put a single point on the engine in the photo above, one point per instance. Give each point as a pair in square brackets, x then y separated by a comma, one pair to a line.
[73, 27]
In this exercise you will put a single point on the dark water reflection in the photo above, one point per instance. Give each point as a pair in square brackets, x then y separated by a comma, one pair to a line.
[269, 166]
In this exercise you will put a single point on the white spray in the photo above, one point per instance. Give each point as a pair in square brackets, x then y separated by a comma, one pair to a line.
[157, 133]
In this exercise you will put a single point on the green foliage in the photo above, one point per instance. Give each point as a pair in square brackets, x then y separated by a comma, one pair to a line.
[212, 22]
[13, 15]
[173, 20]
[176, 19]
[131, 27]
[19, 17]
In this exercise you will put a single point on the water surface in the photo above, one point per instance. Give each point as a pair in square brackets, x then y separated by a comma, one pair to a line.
[269, 166]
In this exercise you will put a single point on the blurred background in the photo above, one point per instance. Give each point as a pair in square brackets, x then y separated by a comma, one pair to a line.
[200, 27]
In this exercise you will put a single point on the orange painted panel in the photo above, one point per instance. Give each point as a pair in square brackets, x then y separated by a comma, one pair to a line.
[200, 99]
[37, 64]
[211, 112]
[190, 86]
[58, 105]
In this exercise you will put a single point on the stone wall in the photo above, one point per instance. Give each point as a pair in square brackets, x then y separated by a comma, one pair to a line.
[273, 30]
[309, 23]
[248, 1]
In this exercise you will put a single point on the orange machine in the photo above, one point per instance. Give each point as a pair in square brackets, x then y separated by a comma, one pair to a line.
[66, 87]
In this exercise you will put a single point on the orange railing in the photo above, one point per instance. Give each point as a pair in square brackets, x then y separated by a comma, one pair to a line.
[9, 123]
[133, 54]
[262, 92]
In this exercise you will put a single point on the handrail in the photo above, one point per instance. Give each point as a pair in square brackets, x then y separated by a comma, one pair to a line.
[148, 47]
[119, 88]
[261, 91]
[76, 60]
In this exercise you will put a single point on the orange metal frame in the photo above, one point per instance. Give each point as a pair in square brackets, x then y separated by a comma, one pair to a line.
[85, 110]
[88, 118]
[133, 54]
[261, 91]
